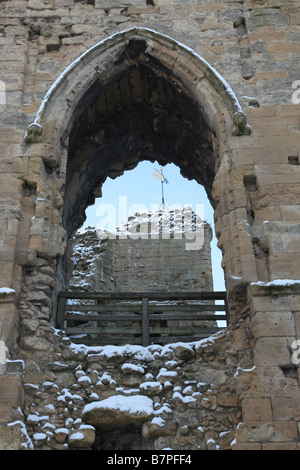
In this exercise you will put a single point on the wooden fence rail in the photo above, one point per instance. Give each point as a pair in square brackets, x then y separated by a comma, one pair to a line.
[140, 317]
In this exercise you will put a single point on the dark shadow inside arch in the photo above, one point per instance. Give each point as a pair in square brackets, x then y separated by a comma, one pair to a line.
[142, 112]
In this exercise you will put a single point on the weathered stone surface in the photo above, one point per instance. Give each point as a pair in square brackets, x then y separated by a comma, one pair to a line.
[119, 410]
[82, 438]
[13, 437]
[145, 94]
[151, 388]
[10, 396]
[159, 427]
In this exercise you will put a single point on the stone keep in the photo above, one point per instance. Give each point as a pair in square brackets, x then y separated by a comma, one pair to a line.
[149, 253]
[89, 89]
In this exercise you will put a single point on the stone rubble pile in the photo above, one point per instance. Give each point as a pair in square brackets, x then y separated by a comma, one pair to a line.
[191, 402]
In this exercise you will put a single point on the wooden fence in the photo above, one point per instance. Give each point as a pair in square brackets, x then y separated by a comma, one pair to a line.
[140, 317]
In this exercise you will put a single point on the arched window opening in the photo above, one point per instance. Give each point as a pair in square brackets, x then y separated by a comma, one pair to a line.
[138, 190]
[141, 258]
[137, 96]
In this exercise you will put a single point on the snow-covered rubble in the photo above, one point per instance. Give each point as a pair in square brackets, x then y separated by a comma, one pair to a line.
[167, 390]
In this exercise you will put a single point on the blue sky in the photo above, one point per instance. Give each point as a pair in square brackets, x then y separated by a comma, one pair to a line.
[139, 188]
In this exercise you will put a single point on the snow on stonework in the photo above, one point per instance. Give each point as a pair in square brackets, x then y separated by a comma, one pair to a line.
[137, 404]
[6, 291]
[119, 410]
[277, 282]
[152, 387]
[155, 223]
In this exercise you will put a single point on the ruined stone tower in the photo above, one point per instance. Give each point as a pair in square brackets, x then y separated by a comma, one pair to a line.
[148, 253]
[88, 89]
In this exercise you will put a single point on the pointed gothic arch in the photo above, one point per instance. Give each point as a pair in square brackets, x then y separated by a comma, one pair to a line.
[136, 95]
[210, 90]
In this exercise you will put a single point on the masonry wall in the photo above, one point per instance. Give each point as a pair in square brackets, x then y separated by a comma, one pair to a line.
[161, 265]
[144, 262]
[254, 46]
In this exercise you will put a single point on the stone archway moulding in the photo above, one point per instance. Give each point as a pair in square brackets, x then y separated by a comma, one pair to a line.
[209, 88]
[100, 64]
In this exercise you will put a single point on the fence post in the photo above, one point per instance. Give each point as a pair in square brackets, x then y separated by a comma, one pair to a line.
[61, 307]
[145, 322]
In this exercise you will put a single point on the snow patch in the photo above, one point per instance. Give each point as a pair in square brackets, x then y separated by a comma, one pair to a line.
[277, 282]
[187, 399]
[39, 436]
[150, 385]
[76, 436]
[134, 405]
[166, 373]
[132, 367]
[158, 421]
[6, 291]
[239, 370]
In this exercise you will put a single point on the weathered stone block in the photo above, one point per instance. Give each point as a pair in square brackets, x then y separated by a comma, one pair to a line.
[229, 401]
[255, 431]
[82, 438]
[273, 324]
[61, 435]
[13, 437]
[272, 351]
[118, 410]
[159, 427]
[116, 3]
[10, 396]
[257, 409]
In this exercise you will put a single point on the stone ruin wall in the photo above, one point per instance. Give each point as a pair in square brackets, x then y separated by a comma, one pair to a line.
[145, 261]
[191, 396]
[187, 399]
[124, 264]
[252, 394]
